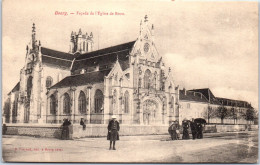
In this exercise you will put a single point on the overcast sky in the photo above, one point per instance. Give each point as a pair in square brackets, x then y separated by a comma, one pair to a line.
[208, 44]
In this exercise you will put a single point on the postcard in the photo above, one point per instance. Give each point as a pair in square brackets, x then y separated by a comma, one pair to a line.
[167, 81]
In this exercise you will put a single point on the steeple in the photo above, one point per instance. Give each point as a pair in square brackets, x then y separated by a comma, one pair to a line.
[34, 41]
[81, 42]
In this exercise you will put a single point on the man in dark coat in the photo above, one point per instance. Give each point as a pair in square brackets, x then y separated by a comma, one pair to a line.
[82, 123]
[200, 129]
[113, 128]
[185, 125]
[193, 127]
[172, 131]
[65, 129]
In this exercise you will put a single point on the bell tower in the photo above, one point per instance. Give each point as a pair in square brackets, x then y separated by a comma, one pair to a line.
[81, 43]
[30, 79]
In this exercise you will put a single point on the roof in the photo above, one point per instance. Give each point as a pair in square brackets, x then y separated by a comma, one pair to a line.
[192, 96]
[16, 88]
[82, 79]
[236, 103]
[56, 58]
[105, 57]
[208, 94]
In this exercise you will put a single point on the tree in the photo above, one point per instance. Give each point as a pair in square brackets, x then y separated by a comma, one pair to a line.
[233, 114]
[249, 114]
[222, 113]
[209, 113]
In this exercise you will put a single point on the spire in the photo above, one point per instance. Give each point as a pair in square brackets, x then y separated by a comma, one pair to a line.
[33, 37]
[91, 35]
[39, 43]
[72, 33]
[80, 32]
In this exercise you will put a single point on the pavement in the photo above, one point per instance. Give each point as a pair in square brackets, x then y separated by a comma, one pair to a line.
[232, 147]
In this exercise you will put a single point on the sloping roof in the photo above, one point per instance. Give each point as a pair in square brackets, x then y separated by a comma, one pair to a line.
[208, 94]
[192, 96]
[105, 57]
[16, 88]
[82, 79]
[236, 103]
[56, 58]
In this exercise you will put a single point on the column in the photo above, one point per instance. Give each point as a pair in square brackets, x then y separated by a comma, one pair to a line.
[89, 104]
[106, 101]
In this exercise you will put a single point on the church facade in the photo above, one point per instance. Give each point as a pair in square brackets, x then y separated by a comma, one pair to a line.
[129, 80]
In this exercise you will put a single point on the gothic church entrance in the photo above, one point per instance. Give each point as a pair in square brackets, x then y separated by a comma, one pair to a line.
[151, 114]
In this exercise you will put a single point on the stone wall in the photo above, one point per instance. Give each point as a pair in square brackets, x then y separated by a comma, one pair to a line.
[49, 131]
[100, 130]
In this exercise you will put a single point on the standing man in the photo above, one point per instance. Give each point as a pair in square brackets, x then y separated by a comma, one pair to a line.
[113, 128]
[200, 129]
[185, 125]
[193, 127]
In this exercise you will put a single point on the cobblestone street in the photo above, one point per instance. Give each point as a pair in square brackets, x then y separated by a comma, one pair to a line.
[215, 147]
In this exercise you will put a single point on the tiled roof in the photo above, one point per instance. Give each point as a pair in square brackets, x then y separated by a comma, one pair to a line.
[104, 57]
[235, 103]
[192, 96]
[82, 79]
[56, 58]
[16, 88]
[208, 94]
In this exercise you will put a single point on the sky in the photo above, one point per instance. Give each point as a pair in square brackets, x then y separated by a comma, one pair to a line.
[207, 44]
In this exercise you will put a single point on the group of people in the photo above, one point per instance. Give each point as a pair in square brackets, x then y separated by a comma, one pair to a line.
[195, 127]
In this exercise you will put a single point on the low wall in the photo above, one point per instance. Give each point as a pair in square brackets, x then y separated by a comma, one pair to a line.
[100, 130]
[37, 130]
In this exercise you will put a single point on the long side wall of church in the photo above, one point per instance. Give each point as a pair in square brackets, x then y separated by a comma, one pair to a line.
[89, 116]
[56, 74]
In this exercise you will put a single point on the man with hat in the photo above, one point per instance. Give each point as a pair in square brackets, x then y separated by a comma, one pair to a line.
[113, 128]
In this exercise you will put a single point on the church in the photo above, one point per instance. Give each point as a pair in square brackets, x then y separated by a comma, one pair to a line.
[129, 80]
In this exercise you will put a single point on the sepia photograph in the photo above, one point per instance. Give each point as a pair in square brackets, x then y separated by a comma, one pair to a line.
[169, 81]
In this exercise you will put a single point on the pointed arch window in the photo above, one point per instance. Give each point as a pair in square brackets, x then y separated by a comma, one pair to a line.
[98, 101]
[66, 103]
[155, 80]
[53, 105]
[49, 81]
[29, 86]
[82, 104]
[84, 46]
[147, 79]
[126, 106]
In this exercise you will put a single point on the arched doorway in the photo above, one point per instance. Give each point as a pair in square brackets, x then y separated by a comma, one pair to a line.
[151, 112]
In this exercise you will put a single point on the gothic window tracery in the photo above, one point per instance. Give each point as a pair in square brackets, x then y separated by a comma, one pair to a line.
[66, 103]
[98, 101]
[147, 79]
[29, 87]
[52, 104]
[155, 80]
[82, 102]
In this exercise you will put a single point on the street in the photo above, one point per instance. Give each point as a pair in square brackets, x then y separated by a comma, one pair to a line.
[232, 147]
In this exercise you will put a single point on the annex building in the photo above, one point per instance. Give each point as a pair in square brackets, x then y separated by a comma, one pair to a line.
[129, 80]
